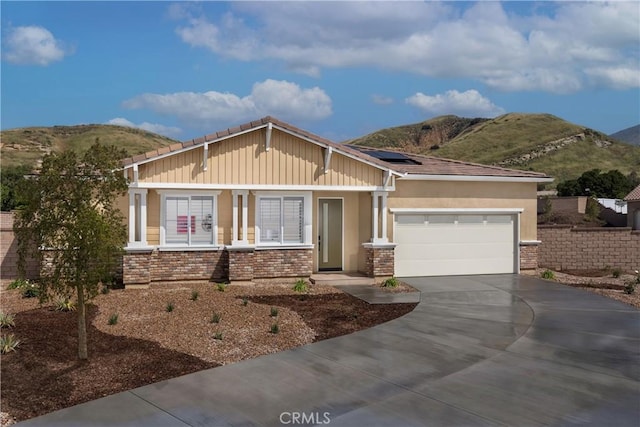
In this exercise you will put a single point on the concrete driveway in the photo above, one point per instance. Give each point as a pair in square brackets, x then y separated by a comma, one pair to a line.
[478, 350]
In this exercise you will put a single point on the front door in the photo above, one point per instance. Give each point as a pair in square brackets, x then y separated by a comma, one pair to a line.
[330, 234]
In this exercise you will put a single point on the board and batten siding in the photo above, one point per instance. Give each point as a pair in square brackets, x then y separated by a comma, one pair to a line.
[243, 160]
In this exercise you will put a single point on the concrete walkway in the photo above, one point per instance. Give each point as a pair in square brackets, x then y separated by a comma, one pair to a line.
[478, 350]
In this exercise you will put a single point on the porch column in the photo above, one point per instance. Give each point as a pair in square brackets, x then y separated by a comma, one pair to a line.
[240, 199]
[379, 215]
[137, 217]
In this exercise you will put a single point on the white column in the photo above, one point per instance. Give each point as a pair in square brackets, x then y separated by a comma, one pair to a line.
[243, 196]
[374, 218]
[379, 213]
[137, 217]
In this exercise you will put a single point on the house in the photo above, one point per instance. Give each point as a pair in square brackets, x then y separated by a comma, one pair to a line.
[266, 199]
[633, 208]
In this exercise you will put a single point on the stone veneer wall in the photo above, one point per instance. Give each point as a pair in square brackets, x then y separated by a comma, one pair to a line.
[155, 266]
[567, 248]
[282, 263]
[144, 267]
[528, 257]
[379, 261]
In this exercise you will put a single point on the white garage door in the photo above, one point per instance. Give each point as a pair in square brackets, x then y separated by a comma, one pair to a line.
[452, 244]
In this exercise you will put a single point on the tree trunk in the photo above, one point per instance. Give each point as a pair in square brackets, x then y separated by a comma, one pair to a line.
[82, 325]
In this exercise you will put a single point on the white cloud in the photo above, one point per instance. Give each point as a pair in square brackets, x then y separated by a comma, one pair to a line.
[32, 45]
[548, 50]
[381, 100]
[469, 103]
[170, 131]
[282, 99]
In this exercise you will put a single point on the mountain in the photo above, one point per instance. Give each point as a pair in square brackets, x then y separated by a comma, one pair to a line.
[27, 146]
[539, 142]
[629, 135]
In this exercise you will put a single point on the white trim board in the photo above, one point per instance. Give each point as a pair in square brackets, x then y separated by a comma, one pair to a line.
[477, 178]
[487, 211]
[255, 187]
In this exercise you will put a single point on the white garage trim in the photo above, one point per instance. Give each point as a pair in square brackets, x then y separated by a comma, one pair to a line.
[515, 243]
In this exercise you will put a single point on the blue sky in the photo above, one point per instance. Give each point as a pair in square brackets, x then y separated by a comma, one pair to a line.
[339, 69]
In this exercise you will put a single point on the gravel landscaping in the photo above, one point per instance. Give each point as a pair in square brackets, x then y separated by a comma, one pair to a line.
[166, 331]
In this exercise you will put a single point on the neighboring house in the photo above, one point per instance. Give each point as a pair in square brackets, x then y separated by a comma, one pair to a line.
[266, 199]
[633, 208]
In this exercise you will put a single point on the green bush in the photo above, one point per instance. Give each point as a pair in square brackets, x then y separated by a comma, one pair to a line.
[194, 295]
[7, 320]
[245, 302]
[217, 336]
[391, 282]
[31, 290]
[300, 286]
[616, 272]
[18, 284]
[548, 274]
[105, 289]
[65, 304]
[169, 308]
[221, 287]
[274, 312]
[630, 288]
[113, 319]
[8, 343]
[215, 318]
[274, 328]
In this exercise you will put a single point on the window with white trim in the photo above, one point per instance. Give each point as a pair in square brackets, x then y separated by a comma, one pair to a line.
[281, 220]
[189, 220]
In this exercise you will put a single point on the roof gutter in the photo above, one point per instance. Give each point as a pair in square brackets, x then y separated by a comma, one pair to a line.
[482, 178]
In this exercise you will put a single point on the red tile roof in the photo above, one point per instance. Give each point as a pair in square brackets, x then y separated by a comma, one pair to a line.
[420, 165]
[634, 195]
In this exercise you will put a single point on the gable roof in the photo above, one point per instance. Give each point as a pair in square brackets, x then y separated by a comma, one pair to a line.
[416, 166]
[634, 195]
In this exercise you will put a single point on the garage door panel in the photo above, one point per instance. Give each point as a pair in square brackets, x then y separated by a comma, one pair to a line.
[454, 244]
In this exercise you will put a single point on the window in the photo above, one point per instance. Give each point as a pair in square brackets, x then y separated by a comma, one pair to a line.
[281, 220]
[189, 220]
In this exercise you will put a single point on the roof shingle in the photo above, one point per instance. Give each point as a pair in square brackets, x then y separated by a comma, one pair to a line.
[422, 165]
[634, 195]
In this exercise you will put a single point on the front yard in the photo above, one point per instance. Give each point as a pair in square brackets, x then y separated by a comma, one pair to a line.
[163, 332]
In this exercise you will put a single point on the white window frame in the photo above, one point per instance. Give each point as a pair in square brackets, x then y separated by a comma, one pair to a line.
[307, 220]
[189, 194]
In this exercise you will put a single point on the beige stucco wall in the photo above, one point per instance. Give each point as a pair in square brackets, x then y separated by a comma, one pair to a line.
[243, 160]
[461, 194]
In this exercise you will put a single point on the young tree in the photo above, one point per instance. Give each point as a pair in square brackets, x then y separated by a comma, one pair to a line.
[68, 216]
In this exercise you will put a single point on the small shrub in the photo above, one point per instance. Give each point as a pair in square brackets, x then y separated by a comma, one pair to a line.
[548, 274]
[7, 320]
[30, 290]
[616, 272]
[630, 288]
[215, 318]
[274, 312]
[274, 328]
[217, 336]
[65, 304]
[300, 286]
[105, 289]
[18, 284]
[391, 282]
[8, 343]
[221, 287]
[194, 295]
[113, 319]
[169, 308]
[245, 302]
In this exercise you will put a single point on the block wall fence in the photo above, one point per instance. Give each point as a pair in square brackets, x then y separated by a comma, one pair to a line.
[564, 247]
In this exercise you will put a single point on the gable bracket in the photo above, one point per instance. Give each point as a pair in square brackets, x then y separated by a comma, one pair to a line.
[205, 156]
[387, 178]
[327, 158]
[268, 139]
[135, 173]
